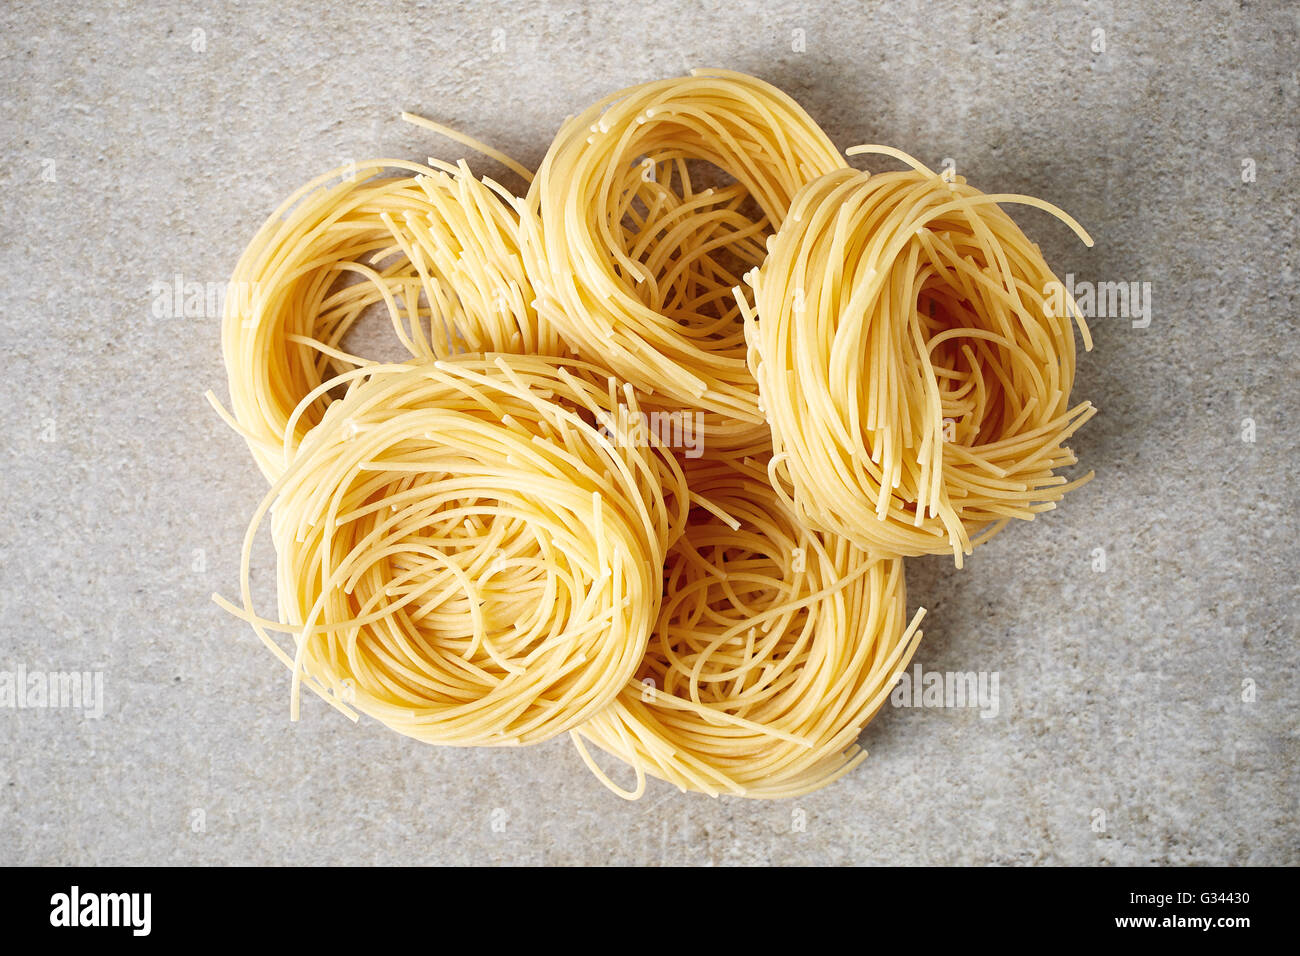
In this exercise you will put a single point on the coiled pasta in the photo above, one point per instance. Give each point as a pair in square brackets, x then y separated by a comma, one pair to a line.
[914, 372]
[634, 262]
[773, 648]
[468, 550]
[435, 247]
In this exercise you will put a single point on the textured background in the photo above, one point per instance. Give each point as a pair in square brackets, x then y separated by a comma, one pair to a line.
[142, 143]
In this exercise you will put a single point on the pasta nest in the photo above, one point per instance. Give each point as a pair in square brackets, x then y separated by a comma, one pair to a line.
[468, 550]
[915, 356]
[773, 647]
[647, 209]
[433, 248]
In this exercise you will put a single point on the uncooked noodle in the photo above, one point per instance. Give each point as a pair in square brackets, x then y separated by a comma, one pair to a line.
[914, 372]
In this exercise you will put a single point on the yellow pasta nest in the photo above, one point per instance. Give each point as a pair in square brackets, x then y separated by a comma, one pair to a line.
[773, 647]
[436, 249]
[914, 371]
[634, 261]
[467, 551]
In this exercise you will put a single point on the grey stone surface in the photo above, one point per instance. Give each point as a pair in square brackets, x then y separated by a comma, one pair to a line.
[124, 499]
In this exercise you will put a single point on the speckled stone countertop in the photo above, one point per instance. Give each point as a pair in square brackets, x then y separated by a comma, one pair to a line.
[1143, 635]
